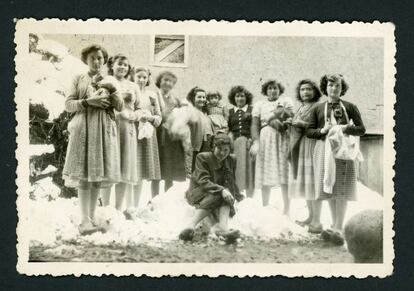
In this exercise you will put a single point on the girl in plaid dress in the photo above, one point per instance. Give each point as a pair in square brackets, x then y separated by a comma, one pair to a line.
[301, 177]
[323, 116]
[270, 146]
[92, 157]
[148, 162]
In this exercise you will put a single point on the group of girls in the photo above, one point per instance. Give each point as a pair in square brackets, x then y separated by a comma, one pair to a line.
[124, 136]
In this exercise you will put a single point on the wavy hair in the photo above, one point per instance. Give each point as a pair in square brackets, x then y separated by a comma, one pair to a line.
[333, 78]
[272, 82]
[116, 58]
[316, 92]
[240, 89]
[162, 75]
[93, 48]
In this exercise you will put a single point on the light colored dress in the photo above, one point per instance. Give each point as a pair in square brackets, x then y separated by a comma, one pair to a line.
[93, 153]
[271, 162]
[127, 132]
[218, 115]
[148, 164]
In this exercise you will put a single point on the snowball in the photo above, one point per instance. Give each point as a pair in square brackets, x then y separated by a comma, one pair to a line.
[364, 236]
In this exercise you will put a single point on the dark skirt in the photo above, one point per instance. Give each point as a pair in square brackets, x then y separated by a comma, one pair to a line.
[205, 147]
[201, 199]
[172, 158]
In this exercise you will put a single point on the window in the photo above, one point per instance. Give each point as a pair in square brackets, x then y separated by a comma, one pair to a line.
[169, 50]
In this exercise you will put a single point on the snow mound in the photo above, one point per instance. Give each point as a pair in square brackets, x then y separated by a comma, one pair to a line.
[45, 189]
[252, 219]
[160, 220]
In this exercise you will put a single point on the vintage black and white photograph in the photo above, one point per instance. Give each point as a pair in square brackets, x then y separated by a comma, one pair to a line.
[267, 147]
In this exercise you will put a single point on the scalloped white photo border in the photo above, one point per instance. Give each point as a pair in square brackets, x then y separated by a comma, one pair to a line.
[238, 28]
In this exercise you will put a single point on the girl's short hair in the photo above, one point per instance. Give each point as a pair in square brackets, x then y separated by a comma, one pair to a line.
[333, 78]
[272, 82]
[221, 139]
[191, 95]
[240, 89]
[112, 60]
[164, 74]
[93, 48]
[134, 71]
[316, 93]
[212, 94]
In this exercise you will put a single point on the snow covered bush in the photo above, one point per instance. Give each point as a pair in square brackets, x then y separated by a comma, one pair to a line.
[49, 72]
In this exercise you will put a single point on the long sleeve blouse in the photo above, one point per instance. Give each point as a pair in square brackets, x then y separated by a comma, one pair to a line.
[317, 120]
[78, 92]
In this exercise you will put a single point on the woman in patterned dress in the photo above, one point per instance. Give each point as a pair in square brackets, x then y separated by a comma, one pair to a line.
[148, 162]
[301, 177]
[334, 111]
[271, 143]
[119, 67]
[240, 121]
[92, 157]
[171, 152]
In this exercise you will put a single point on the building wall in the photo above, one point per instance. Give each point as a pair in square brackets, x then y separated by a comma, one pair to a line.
[220, 62]
[371, 169]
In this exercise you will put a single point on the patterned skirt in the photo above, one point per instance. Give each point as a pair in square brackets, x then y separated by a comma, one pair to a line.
[245, 165]
[171, 154]
[93, 153]
[304, 184]
[345, 178]
[148, 165]
[128, 150]
[271, 162]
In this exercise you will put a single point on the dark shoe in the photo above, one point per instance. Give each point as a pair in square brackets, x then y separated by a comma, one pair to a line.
[315, 229]
[337, 238]
[334, 237]
[87, 228]
[187, 234]
[326, 235]
[230, 236]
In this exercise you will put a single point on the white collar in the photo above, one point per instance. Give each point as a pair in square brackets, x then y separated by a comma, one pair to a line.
[244, 108]
[165, 96]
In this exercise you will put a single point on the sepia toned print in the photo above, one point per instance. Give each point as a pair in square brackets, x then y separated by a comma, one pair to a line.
[205, 148]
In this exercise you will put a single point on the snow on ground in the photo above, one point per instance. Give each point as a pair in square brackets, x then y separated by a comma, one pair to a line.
[162, 218]
[40, 149]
